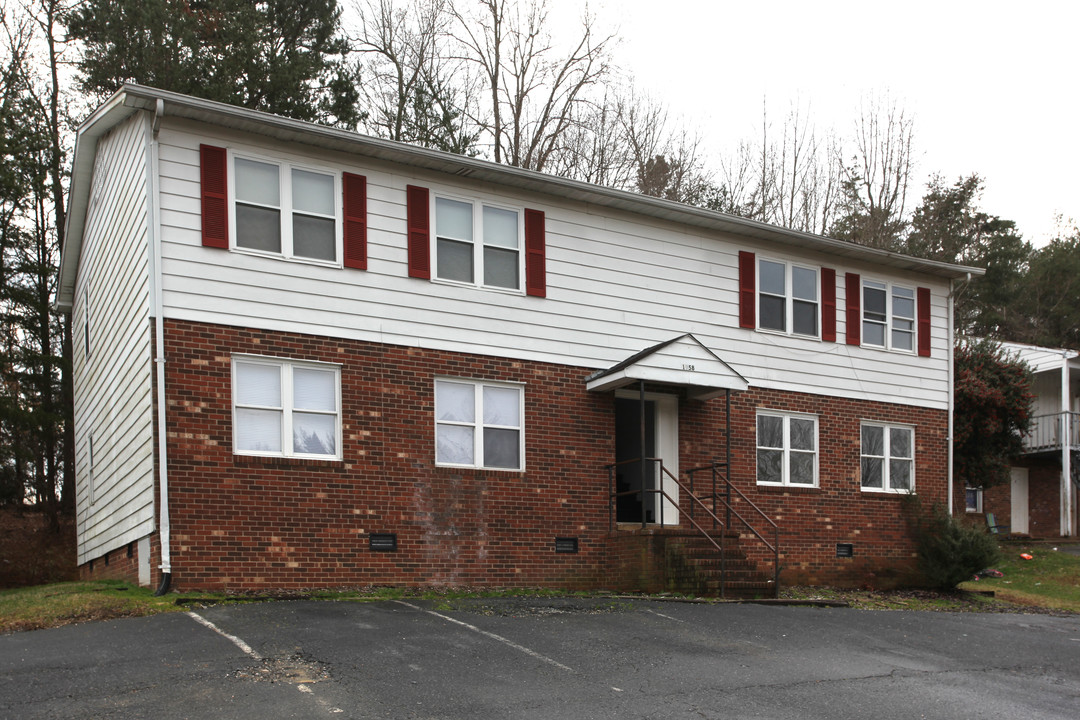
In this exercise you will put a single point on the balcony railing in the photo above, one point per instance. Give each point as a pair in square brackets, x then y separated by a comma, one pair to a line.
[1047, 432]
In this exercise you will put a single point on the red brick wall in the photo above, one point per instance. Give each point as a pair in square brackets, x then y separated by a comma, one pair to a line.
[258, 523]
[1044, 499]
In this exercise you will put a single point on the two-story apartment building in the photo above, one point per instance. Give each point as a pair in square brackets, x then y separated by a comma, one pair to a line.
[1041, 497]
[307, 357]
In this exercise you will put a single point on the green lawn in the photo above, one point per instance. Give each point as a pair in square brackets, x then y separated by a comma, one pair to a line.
[1050, 579]
[44, 606]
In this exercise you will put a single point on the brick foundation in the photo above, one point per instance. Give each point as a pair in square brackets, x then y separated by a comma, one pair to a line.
[253, 522]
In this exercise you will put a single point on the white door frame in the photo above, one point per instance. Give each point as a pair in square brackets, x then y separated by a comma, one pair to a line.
[667, 446]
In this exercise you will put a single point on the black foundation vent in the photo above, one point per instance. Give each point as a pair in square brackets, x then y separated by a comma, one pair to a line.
[566, 545]
[383, 542]
[845, 550]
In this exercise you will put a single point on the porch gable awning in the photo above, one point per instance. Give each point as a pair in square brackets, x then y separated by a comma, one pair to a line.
[682, 361]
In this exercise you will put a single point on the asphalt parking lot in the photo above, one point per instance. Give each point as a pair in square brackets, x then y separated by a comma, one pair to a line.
[545, 658]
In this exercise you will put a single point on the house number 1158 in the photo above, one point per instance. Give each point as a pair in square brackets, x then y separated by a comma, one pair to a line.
[688, 367]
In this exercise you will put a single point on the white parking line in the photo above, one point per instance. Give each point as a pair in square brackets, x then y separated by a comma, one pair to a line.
[231, 638]
[666, 617]
[493, 636]
[248, 650]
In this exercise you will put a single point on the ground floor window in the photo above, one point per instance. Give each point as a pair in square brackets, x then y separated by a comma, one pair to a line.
[888, 458]
[787, 449]
[479, 424]
[286, 408]
[973, 499]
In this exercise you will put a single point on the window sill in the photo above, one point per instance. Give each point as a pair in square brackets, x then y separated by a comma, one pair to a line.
[795, 335]
[286, 258]
[875, 492]
[474, 286]
[788, 488]
[282, 461]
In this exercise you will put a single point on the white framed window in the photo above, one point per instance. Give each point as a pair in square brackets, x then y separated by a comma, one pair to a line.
[973, 499]
[285, 210]
[787, 449]
[788, 298]
[479, 424]
[888, 458]
[286, 408]
[478, 244]
[888, 316]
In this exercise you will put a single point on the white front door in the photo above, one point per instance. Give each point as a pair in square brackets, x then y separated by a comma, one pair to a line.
[1019, 521]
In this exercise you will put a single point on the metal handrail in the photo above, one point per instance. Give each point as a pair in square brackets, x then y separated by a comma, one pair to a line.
[717, 522]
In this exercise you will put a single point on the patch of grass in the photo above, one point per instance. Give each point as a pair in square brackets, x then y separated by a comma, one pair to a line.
[897, 599]
[1051, 579]
[45, 606]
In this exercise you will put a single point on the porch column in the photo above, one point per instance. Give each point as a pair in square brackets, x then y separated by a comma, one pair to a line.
[1067, 525]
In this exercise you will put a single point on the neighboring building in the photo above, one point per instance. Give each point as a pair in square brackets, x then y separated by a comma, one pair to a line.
[306, 357]
[1041, 497]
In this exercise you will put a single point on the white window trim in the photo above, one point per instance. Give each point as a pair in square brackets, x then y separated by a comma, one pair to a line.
[889, 286]
[789, 297]
[478, 422]
[286, 367]
[477, 242]
[785, 469]
[285, 208]
[886, 449]
[978, 500]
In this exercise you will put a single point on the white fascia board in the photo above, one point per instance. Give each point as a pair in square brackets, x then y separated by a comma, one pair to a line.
[668, 376]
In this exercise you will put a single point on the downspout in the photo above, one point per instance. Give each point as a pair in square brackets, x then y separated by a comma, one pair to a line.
[952, 392]
[159, 351]
[1066, 450]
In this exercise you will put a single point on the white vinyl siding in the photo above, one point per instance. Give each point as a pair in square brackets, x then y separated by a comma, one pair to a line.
[616, 284]
[112, 364]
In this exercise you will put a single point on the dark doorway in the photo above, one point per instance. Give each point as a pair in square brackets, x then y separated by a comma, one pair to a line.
[628, 477]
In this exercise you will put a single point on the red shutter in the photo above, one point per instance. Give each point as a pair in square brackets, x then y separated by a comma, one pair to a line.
[854, 319]
[419, 226]
[213, 185]
[747, 285]
[354, 198]
[922, 311]
[828, 304]
[535, 254]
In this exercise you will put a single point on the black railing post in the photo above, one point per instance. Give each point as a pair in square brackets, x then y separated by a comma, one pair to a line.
[641, 415]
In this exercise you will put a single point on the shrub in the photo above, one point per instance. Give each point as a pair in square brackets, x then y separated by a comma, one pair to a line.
[950, 551]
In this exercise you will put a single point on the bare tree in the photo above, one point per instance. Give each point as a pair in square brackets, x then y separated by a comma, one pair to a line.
[875, 183]
[535, 93]
[413, 87]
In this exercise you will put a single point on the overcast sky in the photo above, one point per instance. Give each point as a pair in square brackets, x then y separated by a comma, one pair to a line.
[994, 87]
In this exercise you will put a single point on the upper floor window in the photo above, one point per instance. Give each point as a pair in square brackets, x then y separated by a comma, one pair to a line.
[788, 298]
[786, 449]
[477, 244]
[285, 210]
[286, 408]
[888, 315]
[888, 458]
[479, 424]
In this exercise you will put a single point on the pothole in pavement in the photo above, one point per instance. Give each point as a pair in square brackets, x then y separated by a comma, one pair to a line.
[296, 669]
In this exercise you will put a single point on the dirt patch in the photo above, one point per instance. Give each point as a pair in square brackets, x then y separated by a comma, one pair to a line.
[535, 607]
[33, 554]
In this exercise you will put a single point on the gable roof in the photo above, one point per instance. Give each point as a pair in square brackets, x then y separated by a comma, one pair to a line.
[683, 361]
[134, 98]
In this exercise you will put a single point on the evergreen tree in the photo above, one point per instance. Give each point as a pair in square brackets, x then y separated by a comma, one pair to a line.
[282, 56]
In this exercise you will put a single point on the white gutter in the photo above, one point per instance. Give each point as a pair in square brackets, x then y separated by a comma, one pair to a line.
[952, 392]
[1066, 450]
[153, 229]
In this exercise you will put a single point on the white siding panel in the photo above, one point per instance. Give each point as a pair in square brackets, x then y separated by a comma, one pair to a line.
[113, 400]
[617, 283]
